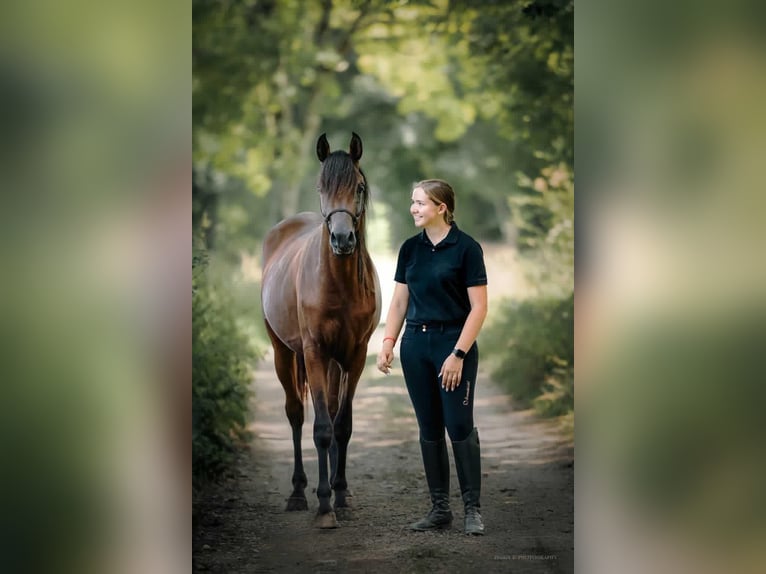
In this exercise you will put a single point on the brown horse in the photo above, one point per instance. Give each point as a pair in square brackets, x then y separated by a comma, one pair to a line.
[321, 302]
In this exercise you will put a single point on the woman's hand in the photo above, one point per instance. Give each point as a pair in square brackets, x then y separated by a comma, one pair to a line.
[394, 320]
[452, 370]
[386, 357]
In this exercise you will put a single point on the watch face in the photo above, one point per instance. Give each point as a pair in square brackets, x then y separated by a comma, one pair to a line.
[458, 353]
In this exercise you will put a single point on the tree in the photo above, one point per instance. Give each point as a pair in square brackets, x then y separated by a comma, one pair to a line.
[478, 93]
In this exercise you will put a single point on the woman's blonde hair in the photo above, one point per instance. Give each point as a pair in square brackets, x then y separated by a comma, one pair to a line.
[439, 192]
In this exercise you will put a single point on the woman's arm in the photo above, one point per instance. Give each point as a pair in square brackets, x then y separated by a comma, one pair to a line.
[478, 298]
[394, 320]
[452, 369]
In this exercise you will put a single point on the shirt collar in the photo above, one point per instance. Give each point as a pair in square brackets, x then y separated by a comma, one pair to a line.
[451, 238]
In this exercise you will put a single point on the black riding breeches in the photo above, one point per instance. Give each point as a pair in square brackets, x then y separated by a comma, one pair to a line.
[423, 351]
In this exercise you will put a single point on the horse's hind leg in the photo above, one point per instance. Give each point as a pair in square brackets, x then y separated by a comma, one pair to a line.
[293, 379]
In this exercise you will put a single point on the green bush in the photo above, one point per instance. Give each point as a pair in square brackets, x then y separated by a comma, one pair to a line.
[221, 375]
[531, 347]
[557, 397]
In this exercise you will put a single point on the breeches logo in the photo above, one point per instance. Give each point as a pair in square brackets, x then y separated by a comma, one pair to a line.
[467, 391]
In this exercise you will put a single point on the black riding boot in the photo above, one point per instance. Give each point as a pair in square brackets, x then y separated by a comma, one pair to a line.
[468, 462]
[436, 465]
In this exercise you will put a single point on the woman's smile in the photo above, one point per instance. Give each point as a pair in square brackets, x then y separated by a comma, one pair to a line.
[423, 210]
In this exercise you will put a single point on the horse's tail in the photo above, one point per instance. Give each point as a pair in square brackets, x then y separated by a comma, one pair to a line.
[300, 376]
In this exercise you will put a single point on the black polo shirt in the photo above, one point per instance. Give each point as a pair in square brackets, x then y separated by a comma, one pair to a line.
[438, 276]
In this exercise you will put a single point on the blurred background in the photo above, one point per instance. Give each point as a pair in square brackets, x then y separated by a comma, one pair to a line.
[670, 286]
[95, 175]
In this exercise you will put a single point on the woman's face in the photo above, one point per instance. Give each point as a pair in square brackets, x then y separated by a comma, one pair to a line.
[423, 210]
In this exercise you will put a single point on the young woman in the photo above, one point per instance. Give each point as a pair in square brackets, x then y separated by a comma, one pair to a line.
[441, 290]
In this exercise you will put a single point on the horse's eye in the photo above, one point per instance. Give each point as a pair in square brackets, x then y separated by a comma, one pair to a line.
[360, 188]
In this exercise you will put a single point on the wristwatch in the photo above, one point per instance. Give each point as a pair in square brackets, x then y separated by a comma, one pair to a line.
[458, 353]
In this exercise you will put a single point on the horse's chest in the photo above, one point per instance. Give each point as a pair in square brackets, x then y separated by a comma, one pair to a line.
[347, 327]
[345, 324]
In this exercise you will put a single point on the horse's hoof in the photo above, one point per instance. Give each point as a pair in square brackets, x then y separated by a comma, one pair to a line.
[326, 521]
[295, 503]
[343, 512]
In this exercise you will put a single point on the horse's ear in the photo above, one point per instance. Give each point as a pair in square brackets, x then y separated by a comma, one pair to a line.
[323, 147]
[355, 149]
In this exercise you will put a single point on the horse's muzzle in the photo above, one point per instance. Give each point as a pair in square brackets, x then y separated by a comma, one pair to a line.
[343, 243]
[343, 248]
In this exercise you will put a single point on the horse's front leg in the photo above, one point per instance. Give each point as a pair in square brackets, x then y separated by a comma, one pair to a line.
[334, 385]
[316, 369]
[342, 432]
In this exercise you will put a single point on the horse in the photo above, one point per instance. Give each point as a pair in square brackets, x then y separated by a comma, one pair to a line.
[320, 298]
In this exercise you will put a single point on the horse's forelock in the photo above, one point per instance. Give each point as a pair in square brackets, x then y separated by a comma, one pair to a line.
[338, 172]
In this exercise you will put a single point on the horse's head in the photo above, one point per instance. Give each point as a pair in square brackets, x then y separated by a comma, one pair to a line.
[342, 194]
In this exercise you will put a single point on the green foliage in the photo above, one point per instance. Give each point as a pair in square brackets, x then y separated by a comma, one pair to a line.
[221, 375]
[557, 397]
[478, 93]
[243, 294]
[531, 345]
[545, 220]
[526, 52]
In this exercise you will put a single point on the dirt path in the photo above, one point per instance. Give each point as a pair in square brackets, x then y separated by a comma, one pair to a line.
[527, 493]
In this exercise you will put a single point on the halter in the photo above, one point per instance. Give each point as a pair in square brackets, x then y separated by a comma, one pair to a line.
[354, 218]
